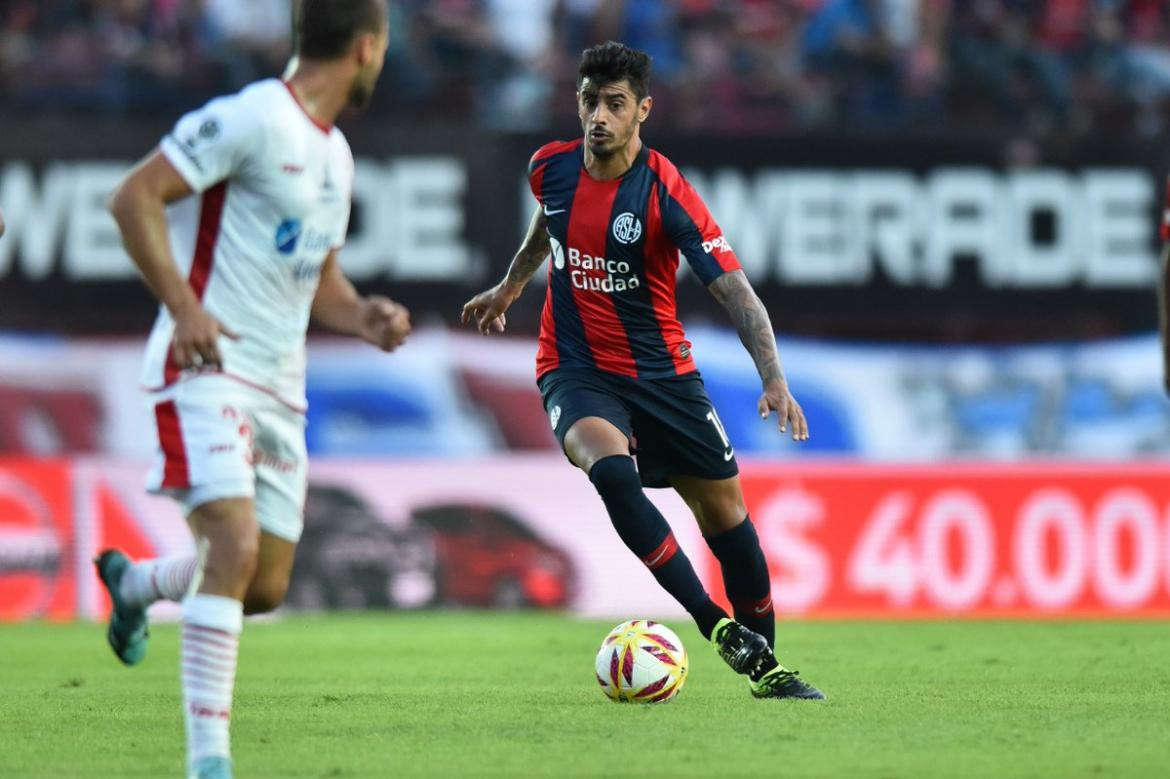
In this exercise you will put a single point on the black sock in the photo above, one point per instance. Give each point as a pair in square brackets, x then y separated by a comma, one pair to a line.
[746, 578]
[645, 532]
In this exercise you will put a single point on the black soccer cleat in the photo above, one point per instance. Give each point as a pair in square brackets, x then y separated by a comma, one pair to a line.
[742, 649]
[748, 653]
[782, 683]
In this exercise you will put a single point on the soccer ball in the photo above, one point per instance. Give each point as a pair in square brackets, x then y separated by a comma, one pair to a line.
[641, 662]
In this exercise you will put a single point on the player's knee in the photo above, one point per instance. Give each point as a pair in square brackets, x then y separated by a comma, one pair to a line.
[265, 595]
[717, 513]
[616, 478]
[729, 513]
[233, 551]
[591, 440]
[232, 562]
[721, 516]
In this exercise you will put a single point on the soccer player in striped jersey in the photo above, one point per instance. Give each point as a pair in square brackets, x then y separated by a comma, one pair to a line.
[238, 271]
[615, 369]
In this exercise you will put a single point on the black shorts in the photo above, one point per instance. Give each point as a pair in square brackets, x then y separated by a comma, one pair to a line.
[673, 427]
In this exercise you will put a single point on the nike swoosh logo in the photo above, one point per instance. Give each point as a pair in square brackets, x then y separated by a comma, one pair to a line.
[657, 558]
[547, 212]
[765, 607]
[728, 455]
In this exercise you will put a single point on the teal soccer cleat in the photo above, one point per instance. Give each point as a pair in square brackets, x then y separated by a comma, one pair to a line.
[127, 633]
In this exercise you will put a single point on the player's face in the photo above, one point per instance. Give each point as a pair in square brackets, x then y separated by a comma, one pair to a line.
[610, 115]
[371, 58]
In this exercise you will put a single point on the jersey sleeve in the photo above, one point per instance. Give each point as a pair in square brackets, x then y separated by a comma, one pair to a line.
[215, 142]
[540, 161]
[536, 167]
[693, 231]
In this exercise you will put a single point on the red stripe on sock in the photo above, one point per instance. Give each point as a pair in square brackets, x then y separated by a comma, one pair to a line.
[217, 665]
[216, 636]
[212, 685]
[180, 577]
[197, 646]
[754, 608]
[208, 669]
[188, 626]
[213, 642]
[662, 554]
[195, 654]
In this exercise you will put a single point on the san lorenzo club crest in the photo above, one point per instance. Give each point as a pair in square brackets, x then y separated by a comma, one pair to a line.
[627, 228]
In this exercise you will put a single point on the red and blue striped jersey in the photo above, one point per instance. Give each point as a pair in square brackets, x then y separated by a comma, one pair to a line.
[615, 247]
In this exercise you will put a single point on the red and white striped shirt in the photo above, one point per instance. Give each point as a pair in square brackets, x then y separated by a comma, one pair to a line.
[275, 190]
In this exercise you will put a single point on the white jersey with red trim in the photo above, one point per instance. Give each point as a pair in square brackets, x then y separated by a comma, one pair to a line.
[275, 190]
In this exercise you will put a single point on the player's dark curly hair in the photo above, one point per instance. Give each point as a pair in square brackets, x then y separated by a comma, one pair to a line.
[609, 62]
[325, 29]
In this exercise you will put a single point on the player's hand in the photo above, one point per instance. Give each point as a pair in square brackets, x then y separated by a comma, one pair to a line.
[195, 342]
[777, 398]
[488, 307]
[384, 323]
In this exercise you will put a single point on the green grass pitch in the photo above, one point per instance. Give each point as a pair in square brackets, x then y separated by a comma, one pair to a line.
[513, 695]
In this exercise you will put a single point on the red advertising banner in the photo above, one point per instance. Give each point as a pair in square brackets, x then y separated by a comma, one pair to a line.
[1014, 540]
[55, 515]
[38, 572]
[848, 540]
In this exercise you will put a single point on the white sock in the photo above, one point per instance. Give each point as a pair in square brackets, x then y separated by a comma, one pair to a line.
[164, 578]
[211, 635]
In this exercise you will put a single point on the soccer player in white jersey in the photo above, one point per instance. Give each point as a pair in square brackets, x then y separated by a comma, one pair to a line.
[235, 223]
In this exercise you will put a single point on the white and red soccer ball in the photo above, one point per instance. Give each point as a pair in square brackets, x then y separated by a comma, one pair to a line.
[641, 661]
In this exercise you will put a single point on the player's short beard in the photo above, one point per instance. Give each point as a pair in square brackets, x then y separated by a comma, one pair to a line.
[612, 147]
[359, 93]
[603, 152]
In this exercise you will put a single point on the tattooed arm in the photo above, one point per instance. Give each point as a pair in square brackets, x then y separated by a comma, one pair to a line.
[488, 307]
[735, 294]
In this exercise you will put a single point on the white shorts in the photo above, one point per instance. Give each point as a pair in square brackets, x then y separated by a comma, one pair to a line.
[219, 438]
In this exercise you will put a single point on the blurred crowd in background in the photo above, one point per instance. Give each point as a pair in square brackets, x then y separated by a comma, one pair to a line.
[1040, 66]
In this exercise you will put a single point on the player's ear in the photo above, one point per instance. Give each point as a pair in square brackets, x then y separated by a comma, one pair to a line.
[644, 108]
[367, 44]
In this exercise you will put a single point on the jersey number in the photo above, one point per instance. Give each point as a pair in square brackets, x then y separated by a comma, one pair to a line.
[714, 418]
